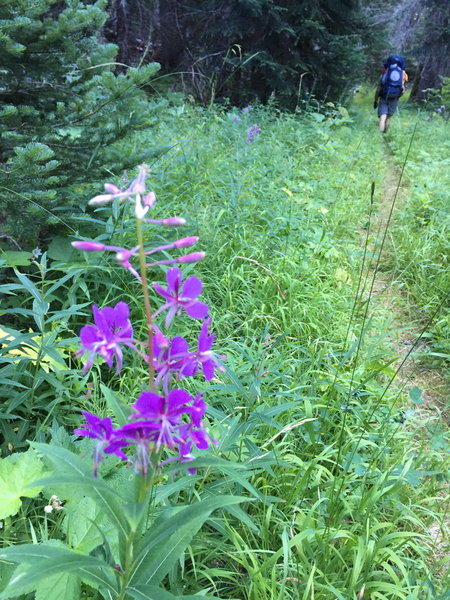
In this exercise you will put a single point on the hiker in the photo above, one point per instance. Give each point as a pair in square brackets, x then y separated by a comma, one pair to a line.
[390, 87]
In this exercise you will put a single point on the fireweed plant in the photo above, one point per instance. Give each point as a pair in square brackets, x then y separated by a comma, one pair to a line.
[161, 432]
[160, 419]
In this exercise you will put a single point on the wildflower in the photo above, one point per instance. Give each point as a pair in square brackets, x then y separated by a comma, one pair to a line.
[253, 133]
[236, 119]
[137, 186]
[205, 357]
[141, 210]
[36, 252]
[123, 255]
[179, 298]
[53, 504]
[247, 109]
[164, 413]
[112, 328]
[430, 119]
[101, 430]
[170, 356]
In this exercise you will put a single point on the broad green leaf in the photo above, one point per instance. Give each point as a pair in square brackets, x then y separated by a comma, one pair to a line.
[16, 472]
[39, 562]
[16, 258]
[6, 570]
[69, 468]
[60, 249]
[64, 586]
[152, 592]
[165, 541]
[84, 525]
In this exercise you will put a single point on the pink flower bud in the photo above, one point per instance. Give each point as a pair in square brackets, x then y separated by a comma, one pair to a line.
[138, 185]
[89, 246]
[191, 258]
[170, 222]
[100, 200]
[150, 199]
[124, 254]
[185, 242]
[174, 221]
[112, 189]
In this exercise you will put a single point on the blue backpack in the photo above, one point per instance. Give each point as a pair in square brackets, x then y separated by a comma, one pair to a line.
[392, 79]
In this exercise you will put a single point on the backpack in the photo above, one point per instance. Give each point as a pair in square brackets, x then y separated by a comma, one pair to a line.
[392, 78]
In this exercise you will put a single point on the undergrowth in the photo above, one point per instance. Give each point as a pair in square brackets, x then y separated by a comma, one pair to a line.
[341, 475]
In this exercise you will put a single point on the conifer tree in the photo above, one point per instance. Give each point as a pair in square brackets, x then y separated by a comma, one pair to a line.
[62, 111]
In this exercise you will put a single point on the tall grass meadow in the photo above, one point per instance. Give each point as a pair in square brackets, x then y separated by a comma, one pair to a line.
[281, 459]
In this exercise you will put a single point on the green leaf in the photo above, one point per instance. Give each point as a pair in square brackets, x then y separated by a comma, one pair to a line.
[166, 540]
[15, 258]
[152, 592]
[69, 468]
[415, 394]
[65, 586]
[29, 286]
[86, 525]
[39, 562]
[60, 249]
[16, 472]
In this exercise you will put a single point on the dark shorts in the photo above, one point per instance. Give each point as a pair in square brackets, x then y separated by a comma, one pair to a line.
[387, 107]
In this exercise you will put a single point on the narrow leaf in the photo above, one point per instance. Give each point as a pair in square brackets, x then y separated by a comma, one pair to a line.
[165, 541]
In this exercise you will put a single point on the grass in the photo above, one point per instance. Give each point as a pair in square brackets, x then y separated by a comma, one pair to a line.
[345, 468]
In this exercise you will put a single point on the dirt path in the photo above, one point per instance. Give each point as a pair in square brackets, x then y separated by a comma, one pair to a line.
[407, 324]
[405, 329]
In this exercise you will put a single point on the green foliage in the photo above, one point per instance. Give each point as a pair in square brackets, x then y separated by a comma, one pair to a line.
[16, 472]
[421, 235]
[325, 477]
[62, 112]
[145, 559]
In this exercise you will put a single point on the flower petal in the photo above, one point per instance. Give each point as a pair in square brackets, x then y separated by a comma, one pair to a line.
[173, 277]
[197, 310]
[192, 287]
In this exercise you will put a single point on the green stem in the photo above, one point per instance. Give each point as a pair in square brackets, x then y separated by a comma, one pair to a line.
[148, 310]
[128, 564]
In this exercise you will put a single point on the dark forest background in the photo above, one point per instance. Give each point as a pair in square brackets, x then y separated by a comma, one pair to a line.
[247, 49]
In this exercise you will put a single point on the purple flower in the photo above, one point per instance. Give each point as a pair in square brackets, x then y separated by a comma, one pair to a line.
[112, 328]
[171, 356]
[165, 414]
[157, 421]
[179, 298]
[205, 357]
[101, 430]
[247, 109]
[139, 434]
[236, 119]
[430, 119]
[253, 133]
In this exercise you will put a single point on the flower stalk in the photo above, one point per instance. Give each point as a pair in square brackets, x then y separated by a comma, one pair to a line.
[147, 305]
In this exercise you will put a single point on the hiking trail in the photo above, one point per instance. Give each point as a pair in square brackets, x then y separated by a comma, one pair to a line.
[404, 333]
